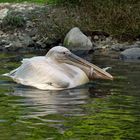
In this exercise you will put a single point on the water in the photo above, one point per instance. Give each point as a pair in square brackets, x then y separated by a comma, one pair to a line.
[100, 110]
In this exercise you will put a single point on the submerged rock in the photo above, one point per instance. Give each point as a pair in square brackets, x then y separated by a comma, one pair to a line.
[130, 54]
[76, 40]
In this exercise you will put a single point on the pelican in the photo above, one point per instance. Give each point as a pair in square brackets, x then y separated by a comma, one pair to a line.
[59, 69]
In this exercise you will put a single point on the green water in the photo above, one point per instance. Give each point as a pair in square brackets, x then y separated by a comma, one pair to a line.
[100, 110]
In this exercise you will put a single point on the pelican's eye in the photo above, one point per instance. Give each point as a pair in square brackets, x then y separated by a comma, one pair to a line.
[64, 53]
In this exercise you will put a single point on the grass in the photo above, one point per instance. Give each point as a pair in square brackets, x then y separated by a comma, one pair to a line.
[120, 19]
[16, 1]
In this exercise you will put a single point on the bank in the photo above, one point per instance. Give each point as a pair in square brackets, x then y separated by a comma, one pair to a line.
[28, 26]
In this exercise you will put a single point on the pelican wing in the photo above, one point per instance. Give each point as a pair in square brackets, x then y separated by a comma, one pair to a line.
[39, 73]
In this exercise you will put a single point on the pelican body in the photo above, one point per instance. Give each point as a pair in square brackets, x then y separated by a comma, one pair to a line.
[59, 69]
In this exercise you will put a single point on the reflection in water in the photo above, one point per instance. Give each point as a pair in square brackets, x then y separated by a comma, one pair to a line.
[65, 102]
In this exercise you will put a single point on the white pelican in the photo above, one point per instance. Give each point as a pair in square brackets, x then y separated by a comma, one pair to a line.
[58, 69]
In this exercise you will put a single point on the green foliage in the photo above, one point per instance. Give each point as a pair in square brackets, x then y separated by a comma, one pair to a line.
[65, 2]
[15, 1]
[118, 18]
[46, 1]
[13, 20]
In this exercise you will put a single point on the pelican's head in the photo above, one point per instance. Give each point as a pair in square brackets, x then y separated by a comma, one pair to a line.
[63, 55]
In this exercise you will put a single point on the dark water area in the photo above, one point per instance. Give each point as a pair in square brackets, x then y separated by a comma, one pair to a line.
[100, 110]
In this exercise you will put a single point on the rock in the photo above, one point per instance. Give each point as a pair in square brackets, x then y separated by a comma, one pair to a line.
[137, 42]
[4, 42]
[15, 41]
[76, 40]
[96, 37]
[26, 40]
[107, 43]
[9, 45]
[124, 46]
[118, 47]
[18, 30]
[3, 13]
[130, 54]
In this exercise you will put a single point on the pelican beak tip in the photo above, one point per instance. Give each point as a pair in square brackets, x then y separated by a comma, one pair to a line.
[110, 78]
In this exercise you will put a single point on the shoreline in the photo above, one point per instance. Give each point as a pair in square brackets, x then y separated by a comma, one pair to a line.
[28, 27]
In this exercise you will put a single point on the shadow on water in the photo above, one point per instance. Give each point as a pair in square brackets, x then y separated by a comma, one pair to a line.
[100, 110]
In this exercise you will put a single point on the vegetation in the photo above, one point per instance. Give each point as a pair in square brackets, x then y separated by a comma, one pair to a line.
[14, 1]
[13, 20]
[117, 18]
[120, 19]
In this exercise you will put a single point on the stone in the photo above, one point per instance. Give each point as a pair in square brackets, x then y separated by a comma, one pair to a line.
[1, 33]
[3, 13]
[137, 43]
[96, 37]
[76, 40]
[130, 54]
[15, 41]
[18, 26]
[26, 40]
[124, 46]
[4, 42]
[118, 47]
[9, 45]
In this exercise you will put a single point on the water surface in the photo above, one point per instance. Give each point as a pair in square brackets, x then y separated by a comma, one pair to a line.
[100, 110]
